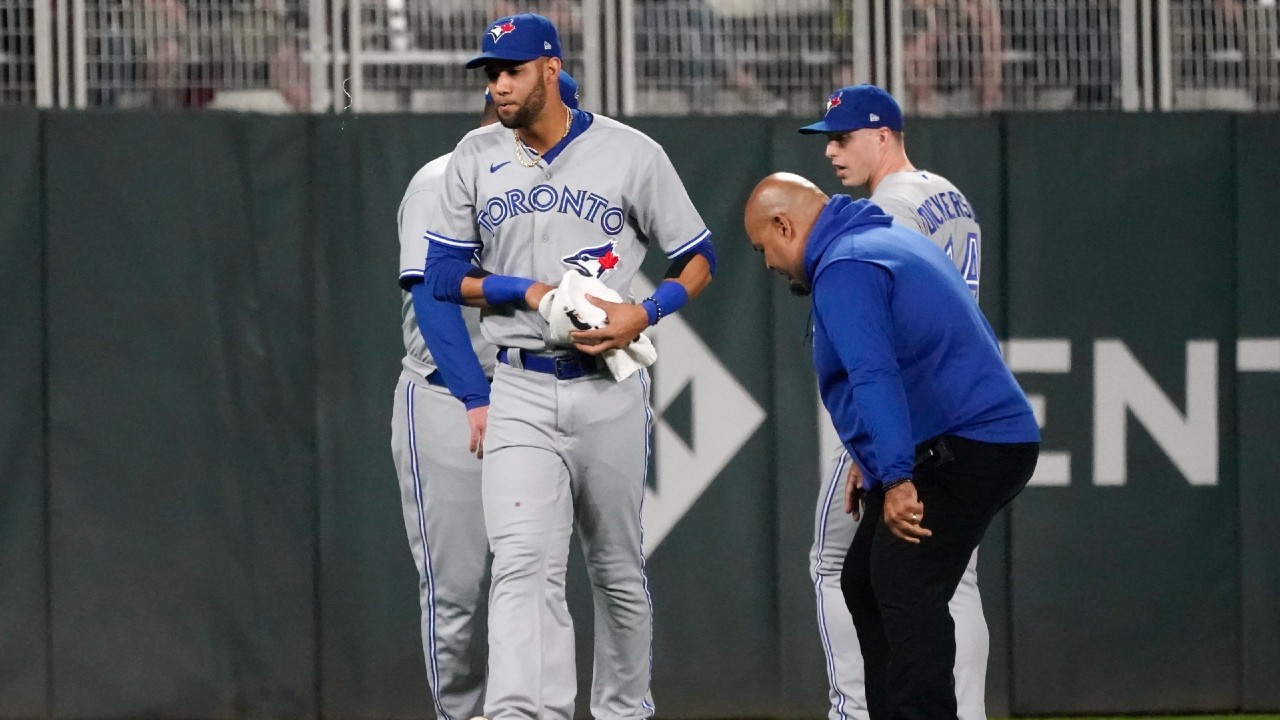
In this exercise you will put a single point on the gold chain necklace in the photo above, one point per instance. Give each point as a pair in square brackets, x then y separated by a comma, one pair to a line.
[520, 154]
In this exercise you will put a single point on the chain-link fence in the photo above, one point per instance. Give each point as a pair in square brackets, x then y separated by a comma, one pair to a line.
[975, 56]
[18, 64]
[194, 53]
[674, 57]
[741, 56]
[409, 56]
[944, 56]
[1223, 54]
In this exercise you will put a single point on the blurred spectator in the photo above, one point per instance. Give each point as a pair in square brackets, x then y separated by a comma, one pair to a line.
[275, 28]
[162, 30]
[949, 46]
[182, 53]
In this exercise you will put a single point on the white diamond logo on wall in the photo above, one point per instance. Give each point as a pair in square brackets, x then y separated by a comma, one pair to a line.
[724, 417]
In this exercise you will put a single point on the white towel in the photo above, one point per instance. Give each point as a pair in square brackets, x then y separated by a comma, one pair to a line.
[567, 310]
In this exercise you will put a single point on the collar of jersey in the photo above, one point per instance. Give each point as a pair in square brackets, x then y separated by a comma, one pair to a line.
[581, 121]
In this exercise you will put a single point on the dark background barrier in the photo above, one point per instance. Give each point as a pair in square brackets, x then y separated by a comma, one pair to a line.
[24, 556]
[1105, 247]
[198, 509]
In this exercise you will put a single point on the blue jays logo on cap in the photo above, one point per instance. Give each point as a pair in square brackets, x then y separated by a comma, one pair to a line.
[858, 107]
[594, 261]
[502, 28]
[518, 38]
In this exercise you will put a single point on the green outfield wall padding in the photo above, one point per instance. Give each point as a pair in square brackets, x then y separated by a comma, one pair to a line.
[182, 415]
[24, 658]
[224, 539]
[1120, 233]
[1258, 399]
[371, 659]
[729, 533]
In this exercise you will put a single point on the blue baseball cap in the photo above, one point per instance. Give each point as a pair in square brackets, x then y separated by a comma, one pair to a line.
[518, 38]
[855, 108]
[568, 91]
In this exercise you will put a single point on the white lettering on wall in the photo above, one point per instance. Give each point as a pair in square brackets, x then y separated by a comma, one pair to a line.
[1121, 385]
[1052, 355]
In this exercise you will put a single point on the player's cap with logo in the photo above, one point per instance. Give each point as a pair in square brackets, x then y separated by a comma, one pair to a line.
[569, 93]
[518, 38]
[857, 107]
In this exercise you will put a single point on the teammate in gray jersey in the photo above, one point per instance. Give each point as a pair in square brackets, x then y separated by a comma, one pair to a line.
[865, 144]
[553, 190]
[434, 440]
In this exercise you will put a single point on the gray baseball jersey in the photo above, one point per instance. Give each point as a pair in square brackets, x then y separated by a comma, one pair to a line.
[440, 484]
[421, 199]
[595, 208]
[565, 453]
[933, 206]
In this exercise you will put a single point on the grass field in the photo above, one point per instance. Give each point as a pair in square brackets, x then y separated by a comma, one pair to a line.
[1163, 717]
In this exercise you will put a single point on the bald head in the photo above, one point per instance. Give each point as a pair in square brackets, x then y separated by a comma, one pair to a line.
[783, 194]
[779, 215]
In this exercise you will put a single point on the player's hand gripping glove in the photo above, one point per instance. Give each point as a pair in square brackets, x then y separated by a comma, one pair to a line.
[567, 310]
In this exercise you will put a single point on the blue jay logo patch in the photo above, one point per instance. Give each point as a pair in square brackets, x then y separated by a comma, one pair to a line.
[501, 29]
[594, 261]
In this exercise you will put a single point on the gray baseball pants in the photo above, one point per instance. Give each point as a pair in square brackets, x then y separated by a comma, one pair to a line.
[560, 454]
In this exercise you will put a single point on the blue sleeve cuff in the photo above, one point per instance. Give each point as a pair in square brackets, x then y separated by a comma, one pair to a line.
[505, 290]
[667, 299]
[446, 335]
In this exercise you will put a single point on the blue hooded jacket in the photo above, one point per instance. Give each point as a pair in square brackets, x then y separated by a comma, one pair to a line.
[902, 352]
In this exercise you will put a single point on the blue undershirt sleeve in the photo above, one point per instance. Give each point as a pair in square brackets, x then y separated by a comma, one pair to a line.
[852, 302]
[445, 332]
[708, 251]
[446, 266]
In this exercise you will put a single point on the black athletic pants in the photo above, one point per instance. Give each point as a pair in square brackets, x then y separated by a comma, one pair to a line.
[898, 591]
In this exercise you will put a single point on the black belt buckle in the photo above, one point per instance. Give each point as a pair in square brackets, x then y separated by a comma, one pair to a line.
[934, 453]
[569, 367]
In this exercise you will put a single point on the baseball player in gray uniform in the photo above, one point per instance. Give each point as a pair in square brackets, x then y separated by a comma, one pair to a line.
[863, 125]
[549, 191]
[434, 441]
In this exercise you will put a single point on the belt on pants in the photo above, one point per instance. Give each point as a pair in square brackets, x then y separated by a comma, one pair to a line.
[565, 366]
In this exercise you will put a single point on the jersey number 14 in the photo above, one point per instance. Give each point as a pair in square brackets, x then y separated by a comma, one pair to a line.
[970, 267]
